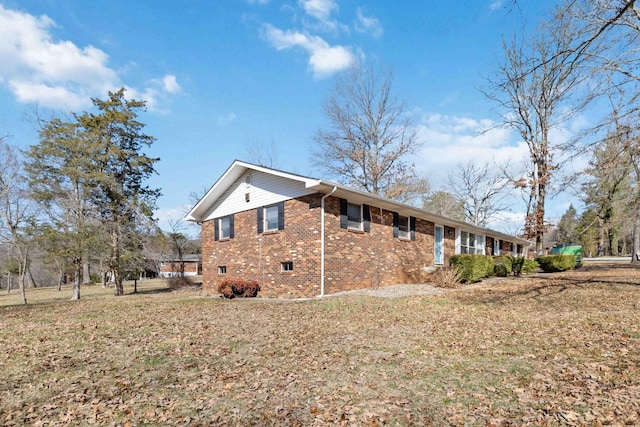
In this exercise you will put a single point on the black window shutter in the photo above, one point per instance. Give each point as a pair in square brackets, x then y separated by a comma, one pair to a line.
[412, 227]
[231, 226]
[395, 224]
[260, 212]
[343, 213]
[216, 229]
[281, 216]
[366, 217]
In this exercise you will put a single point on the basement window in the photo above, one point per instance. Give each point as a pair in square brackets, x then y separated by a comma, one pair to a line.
[286, 267]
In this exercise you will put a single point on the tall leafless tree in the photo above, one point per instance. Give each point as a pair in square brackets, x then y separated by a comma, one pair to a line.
[482, 188]
[17, 214]
[370, 138]
[536, 88]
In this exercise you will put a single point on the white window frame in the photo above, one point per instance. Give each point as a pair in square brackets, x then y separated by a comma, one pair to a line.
[478, 243]
[222, 229]
[349, 221]
[265, 218]
[222, 269]
[284, 267]
[496, 246]
[406, 233]
[435, 244]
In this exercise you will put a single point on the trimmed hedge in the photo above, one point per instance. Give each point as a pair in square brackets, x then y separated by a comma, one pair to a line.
[502, 266]
[554, 263]
[521, 265]
[231, 288]
[472, 268]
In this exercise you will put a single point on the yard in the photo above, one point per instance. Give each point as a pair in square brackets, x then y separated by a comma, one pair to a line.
[556, 349]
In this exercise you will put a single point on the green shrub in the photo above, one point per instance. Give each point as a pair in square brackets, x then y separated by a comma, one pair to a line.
[553, 263]
[529, 266]
[502, 266]
[472, 268]
[500, 270]
[231, 288]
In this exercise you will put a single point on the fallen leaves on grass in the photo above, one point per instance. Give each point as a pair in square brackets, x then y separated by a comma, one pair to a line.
[561, 349]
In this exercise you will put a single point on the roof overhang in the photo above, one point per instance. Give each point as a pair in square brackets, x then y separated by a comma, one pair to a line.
[239, 168]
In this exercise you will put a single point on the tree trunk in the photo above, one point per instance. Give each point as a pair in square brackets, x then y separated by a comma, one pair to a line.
[86, 272]
[8, 282]
[23, 274]
[32, 281]
[118, 288]
[77, 280]
[635, 254]
[600, 234]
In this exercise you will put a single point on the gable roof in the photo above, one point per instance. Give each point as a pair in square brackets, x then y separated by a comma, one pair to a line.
[239, 168]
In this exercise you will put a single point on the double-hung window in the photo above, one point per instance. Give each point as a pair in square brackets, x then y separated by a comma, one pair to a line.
[471, 243]
[403, 227]
[467, 243]
[271, 218]
[496, 247]
[223, 228]
[354, 216]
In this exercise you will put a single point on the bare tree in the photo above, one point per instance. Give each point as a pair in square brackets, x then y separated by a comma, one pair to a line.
[263, 154]
[482, 189]
[178, 243]
[370, 138]
[16, 213]
[444, 203]
[536, 88]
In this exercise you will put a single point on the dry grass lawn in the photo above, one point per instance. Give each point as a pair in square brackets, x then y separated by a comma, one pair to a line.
[558, 349]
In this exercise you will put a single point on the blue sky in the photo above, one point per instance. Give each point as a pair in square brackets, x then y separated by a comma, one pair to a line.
[221, 76]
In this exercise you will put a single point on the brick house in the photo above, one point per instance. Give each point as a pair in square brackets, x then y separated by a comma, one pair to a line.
[171, 267]
[304, 237]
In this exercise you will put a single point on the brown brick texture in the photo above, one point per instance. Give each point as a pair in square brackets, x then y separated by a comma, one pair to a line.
[353, 259]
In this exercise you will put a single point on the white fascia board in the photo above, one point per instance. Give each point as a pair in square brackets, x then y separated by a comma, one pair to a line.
[235, 171]
[403, 209]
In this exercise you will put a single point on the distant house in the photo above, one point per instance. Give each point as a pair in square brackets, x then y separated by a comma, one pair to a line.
[303, 237]
[171, 267]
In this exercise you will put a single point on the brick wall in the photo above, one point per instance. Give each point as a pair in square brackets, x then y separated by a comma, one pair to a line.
[174, 267]
[353, 259]
[254, 256]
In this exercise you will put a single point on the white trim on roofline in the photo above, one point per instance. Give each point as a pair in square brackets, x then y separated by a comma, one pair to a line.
[238, 168]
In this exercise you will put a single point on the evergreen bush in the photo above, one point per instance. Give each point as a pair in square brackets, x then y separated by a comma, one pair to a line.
[554, 263]
[472, 268]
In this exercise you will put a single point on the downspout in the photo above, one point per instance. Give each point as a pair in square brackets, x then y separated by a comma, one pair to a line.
[322, 241]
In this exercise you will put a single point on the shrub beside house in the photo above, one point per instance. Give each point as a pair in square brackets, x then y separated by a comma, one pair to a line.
[298, 236]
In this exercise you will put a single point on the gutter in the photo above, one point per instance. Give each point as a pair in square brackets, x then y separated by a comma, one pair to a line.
[322, 240]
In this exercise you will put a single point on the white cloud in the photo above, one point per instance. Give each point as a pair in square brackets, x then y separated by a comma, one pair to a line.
[324, 60]
[170, 84]
[55, 74]
[319, 9]
[495, 5]
[261, 2]
[368, 24]
[223, 120]
[451, 140]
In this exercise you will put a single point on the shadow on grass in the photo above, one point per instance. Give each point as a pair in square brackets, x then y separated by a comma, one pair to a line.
[545, 285]
[150, 291]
